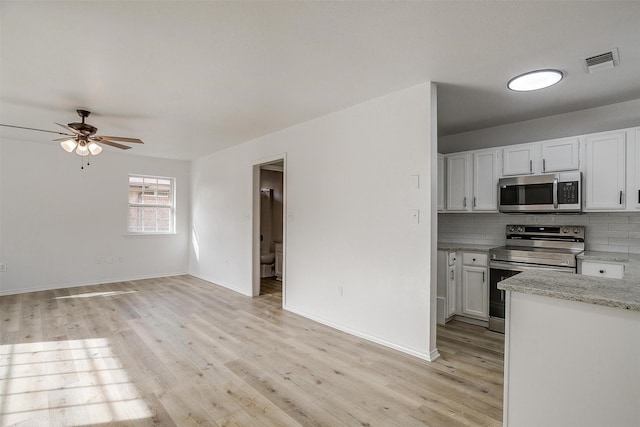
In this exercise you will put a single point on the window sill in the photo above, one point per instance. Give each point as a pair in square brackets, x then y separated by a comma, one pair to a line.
[158, 233]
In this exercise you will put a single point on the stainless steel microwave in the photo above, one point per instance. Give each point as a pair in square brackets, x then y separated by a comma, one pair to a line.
[548, 193]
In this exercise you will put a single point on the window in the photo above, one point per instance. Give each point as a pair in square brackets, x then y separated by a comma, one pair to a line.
[151, 205]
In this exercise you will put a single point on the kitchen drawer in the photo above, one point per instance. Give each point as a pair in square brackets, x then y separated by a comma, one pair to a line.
[474, 259]
[601, 269]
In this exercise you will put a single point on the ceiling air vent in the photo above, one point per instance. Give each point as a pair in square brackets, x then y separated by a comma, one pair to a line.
[602, 61]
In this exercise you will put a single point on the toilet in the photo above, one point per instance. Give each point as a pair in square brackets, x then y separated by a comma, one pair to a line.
[267, 265]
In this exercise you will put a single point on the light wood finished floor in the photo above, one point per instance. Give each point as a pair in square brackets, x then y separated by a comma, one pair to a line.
[181, 351]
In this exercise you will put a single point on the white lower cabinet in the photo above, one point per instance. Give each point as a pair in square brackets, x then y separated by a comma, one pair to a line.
[602, 269]
[475, 286]
[446, 286]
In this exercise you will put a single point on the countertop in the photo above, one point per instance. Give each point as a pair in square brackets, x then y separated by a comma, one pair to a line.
[464, 247]
[620, 293]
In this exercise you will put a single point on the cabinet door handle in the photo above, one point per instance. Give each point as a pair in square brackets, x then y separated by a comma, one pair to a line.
[544, 165]
[620, 196]
[482, 275]
[464, 202]
[474, 201]
[451, 274]
[530, 166]
[638, 196]
[601, 271]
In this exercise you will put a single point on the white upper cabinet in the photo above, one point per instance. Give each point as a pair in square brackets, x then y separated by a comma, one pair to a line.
[560, 155]
[605, 171]
[555, 155]
[441, 182]
[518, 160]
[609, 162]
[485, 180]
[472, 181]
[633, 168]
[457, 182]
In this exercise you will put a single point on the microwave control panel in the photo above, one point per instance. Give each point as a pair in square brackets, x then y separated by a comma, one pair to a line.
[568, 192]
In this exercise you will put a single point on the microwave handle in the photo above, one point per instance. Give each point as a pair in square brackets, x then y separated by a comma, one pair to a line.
[555, 193]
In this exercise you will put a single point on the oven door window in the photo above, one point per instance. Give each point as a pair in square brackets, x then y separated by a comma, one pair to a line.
[528, 194]
[496, 296]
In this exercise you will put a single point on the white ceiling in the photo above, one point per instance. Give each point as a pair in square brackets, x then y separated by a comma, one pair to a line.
[191, 78]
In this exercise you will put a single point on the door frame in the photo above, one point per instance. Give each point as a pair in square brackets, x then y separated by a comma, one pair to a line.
[255, 229]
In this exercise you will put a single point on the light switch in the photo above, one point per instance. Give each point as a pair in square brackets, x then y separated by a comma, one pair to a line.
[415, 216]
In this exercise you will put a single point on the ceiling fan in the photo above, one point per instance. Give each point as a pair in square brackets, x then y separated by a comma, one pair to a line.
[82, 137]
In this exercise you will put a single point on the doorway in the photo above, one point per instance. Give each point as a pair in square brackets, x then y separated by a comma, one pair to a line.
[269, 186]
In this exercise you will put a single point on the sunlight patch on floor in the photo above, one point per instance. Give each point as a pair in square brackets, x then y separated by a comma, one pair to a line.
[71, 383]
[96, 294]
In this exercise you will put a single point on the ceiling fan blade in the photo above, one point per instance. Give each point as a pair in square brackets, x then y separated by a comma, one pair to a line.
[75, 132]
[114, 144]
[64, 139]
[120, 138]
[39, 130]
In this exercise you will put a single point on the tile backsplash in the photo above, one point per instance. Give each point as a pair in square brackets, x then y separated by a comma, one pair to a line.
[609, 232]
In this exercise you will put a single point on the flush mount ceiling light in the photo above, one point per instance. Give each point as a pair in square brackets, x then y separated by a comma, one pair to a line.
[534, 80]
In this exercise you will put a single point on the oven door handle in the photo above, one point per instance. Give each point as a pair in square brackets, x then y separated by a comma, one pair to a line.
[516, 266]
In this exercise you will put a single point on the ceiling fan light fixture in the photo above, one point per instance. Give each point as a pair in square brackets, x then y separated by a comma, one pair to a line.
[68, 145]
[94, 148]
[82, 150]
[535, 80]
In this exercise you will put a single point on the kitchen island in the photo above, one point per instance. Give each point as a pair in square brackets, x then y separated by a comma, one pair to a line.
[572, 348]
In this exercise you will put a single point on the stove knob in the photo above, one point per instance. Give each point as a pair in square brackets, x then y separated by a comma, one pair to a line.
[520, 229]
[565, 230]
[576, 230]
[512, 229]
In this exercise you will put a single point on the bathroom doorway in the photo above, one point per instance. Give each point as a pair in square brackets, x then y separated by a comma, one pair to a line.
[269, 229]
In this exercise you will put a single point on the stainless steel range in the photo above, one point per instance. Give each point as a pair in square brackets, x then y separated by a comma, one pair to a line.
[531, 247]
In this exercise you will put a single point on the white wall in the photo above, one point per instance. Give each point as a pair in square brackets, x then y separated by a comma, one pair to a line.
[349, 197]
[600, 119]
[58, 221]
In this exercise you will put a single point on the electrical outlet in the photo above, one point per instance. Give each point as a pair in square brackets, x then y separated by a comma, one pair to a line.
[3, 268]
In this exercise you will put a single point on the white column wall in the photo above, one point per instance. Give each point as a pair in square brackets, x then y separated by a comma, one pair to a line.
[349, 195]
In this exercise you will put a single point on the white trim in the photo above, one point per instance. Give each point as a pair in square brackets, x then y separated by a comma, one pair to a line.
[89, 283]
[151, 233]
[429, 357]
[255, 220]
[172, 206]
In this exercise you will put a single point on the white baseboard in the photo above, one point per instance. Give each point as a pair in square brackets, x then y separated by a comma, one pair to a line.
[88, 283]
[222, 284]
[429, 357]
